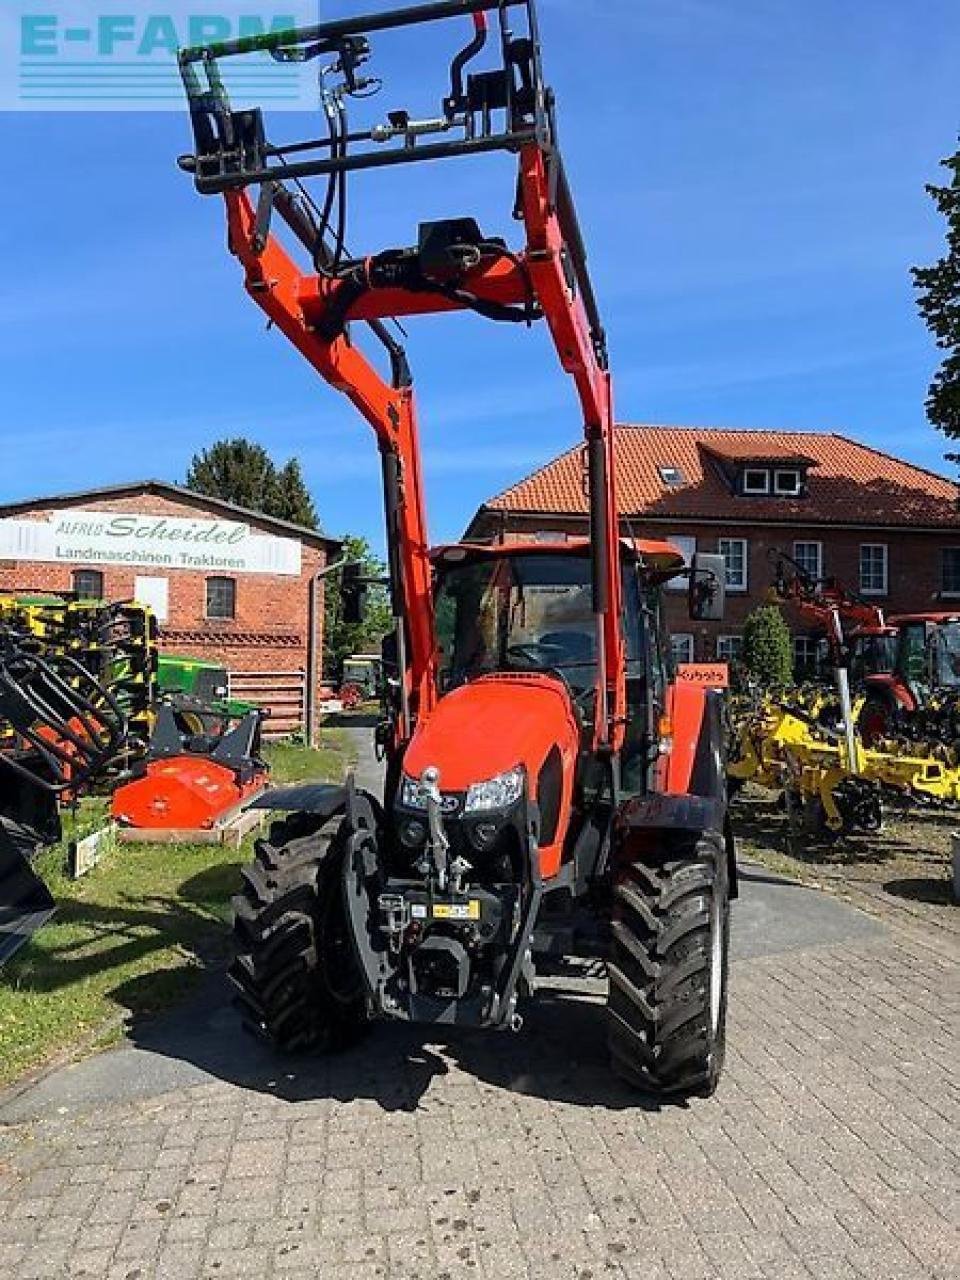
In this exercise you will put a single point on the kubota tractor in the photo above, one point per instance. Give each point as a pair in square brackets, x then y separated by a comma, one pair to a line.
[549, 786]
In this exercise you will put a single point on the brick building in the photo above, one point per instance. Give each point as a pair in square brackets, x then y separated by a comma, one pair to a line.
[225, 583]
[887, 529]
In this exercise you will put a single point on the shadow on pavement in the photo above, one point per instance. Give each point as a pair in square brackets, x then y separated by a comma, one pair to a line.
[750, 875]
[936, 890]
[352, 719]
[559, 1056]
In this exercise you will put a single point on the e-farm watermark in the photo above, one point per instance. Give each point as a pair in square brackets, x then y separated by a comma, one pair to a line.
[121, 55]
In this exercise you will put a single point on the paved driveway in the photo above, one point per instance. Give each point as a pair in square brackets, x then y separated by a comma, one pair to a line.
[830, 1150]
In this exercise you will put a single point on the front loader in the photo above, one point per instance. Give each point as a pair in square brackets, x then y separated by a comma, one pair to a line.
[550, 788]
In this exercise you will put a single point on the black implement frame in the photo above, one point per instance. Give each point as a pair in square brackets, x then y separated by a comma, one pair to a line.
[499, 110]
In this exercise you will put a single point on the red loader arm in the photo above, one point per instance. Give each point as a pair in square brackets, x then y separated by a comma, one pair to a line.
[453, 268]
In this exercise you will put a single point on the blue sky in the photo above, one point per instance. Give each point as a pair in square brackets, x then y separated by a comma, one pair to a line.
[750, 179]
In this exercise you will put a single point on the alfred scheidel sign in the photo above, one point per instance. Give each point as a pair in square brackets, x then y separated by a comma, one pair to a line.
[156, 542]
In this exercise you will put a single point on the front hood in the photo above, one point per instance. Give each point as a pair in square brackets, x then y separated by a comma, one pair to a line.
[491, 725]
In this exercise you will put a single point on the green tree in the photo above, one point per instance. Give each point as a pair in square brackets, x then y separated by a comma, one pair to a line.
[767, 648]
[293, 497]
[242, 472]
[938, 287]
[341, 639]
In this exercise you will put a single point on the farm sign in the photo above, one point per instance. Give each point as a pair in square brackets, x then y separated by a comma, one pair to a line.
[158, 542]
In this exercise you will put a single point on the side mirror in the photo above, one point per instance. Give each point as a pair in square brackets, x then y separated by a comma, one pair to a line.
[352, 592]
[707, 596]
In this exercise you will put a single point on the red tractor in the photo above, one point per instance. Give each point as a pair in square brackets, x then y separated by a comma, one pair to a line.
[917, 690]
[906, 668]
[549, 786]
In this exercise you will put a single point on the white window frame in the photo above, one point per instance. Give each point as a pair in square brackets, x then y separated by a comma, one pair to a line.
[885, 549]
[687, 546]
[743, 585]
[947, 594]
[810, 542]
[672, 477]
[796, 479]
[721, 640]
[755, 490]
[686, 636]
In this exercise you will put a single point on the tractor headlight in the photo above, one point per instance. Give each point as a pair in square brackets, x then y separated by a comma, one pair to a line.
[497, 793]
[413, 794]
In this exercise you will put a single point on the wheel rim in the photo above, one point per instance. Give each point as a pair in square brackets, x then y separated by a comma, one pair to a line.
[340, 970]
[716, 963]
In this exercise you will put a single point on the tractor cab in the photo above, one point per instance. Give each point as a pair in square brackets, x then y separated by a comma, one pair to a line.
[518, 675]
[926, 661]
[529, 607]
[873, 652]
[928, 653]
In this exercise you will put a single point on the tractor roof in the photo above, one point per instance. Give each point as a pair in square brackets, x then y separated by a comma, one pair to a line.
[661, 558]
[933, 616]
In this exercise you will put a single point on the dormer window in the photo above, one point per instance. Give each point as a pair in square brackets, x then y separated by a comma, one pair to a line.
[756, 480]
[760, 468]
[787, 482]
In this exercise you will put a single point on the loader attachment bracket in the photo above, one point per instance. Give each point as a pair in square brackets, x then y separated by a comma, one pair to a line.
[498, 109]
[379, 910]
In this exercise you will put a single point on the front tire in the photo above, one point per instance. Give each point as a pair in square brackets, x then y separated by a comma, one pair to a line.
[298, 982]
[667, 1001]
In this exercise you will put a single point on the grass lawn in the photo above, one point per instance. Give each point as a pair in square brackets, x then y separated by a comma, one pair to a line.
[131, 937]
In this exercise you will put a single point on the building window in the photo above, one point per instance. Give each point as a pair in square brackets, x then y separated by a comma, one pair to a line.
[682, 647]
[88, 584]
[806, 657]
[729, 648]
[809, 556]
[950, 575]
[688, 549]
[672, 477]
[873, 569]
[734, 552]
[756, 480]
[221, 598]
[787, 483]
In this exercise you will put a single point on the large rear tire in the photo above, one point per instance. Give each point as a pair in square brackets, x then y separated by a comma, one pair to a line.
[298, 982]
[667, 1002]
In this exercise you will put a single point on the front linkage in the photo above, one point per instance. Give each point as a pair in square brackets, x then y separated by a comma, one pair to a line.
[428, 948]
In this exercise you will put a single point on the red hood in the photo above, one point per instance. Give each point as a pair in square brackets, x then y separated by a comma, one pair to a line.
[491, 725]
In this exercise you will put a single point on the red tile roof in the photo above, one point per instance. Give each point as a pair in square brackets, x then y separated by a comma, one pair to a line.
[750, 451]
[849, 483]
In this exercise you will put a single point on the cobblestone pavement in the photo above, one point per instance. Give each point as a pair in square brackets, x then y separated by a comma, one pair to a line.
[830, 1150]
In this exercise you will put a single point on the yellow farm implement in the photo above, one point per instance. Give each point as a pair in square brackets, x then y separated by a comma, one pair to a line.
[797, 745]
